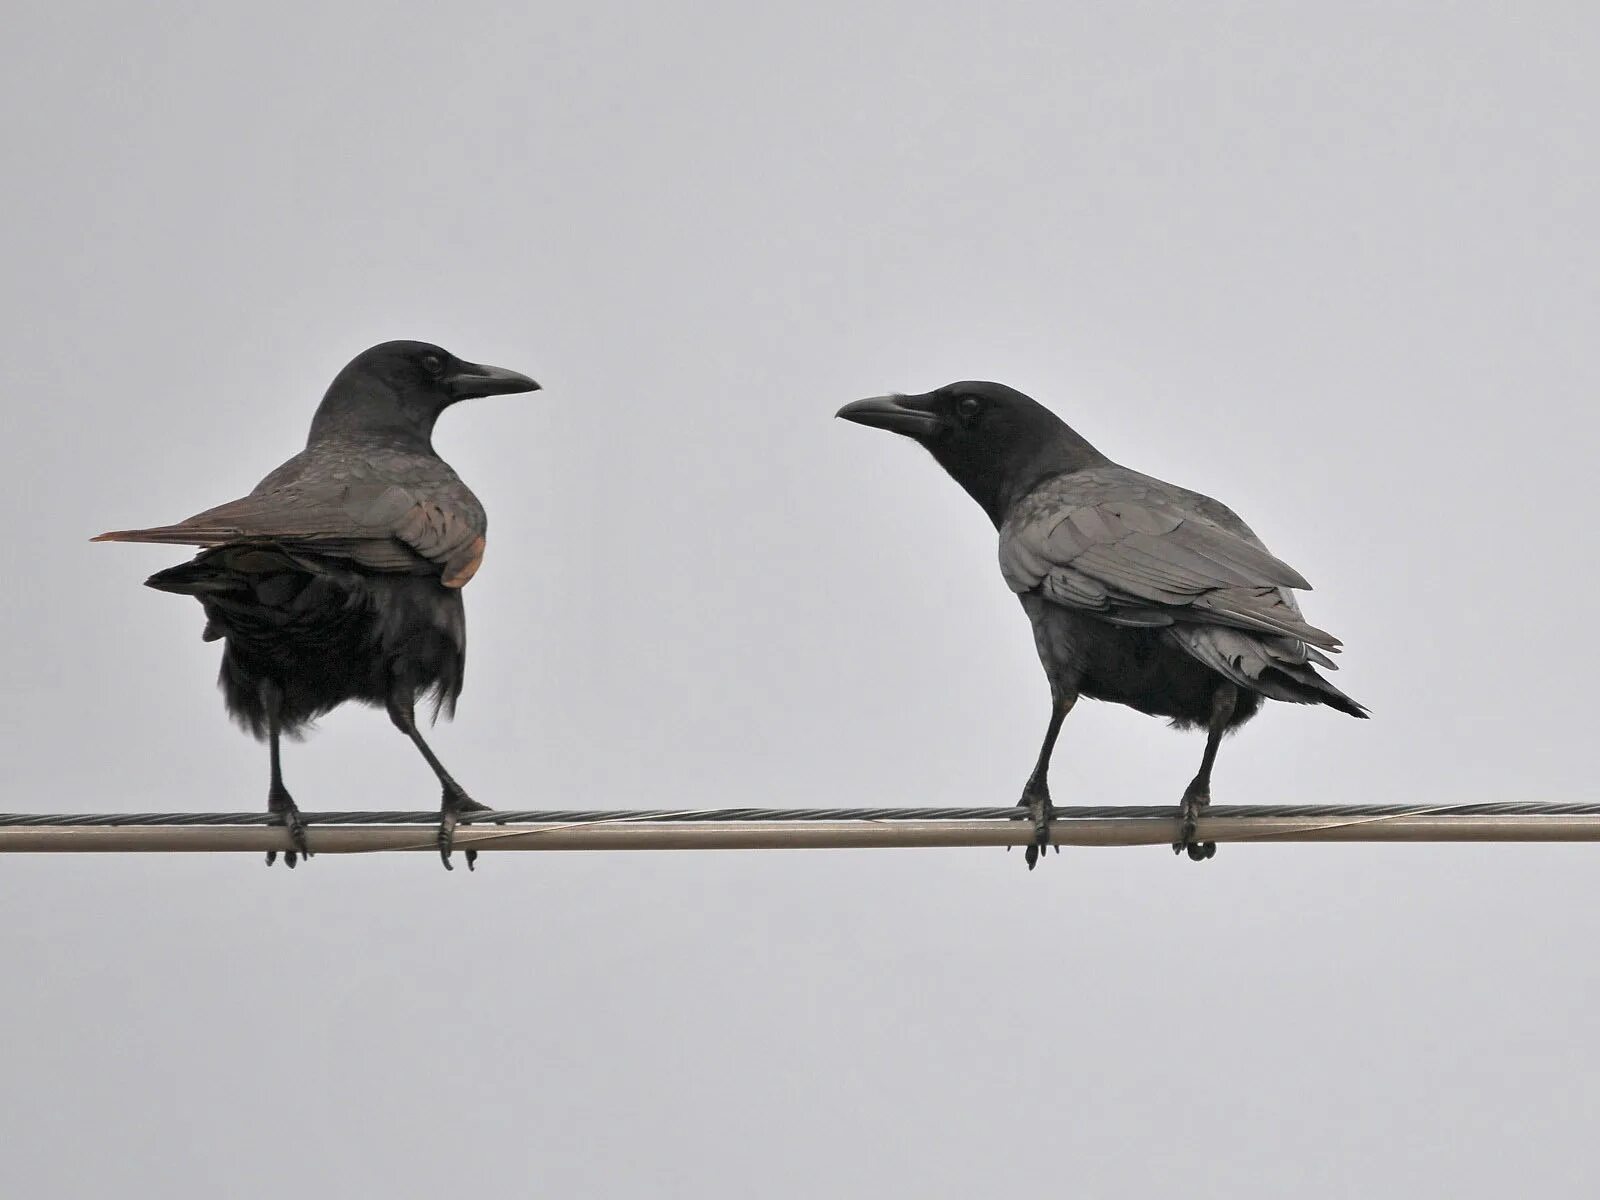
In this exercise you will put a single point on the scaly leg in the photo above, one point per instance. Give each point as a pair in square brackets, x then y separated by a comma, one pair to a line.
[456, 800]
[1036, 795]
[279, 802]
[1198, 794]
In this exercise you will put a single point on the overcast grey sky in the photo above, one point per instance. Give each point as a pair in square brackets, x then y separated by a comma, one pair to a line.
[1337, 265]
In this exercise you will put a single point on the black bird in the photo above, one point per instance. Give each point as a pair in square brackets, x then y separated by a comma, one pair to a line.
[1140, 592]
[339, 577]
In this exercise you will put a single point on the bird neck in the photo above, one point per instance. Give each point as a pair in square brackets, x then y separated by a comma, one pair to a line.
[358, 419]
[998, 482]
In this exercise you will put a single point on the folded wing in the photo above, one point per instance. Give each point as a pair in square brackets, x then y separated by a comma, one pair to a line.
[381, 527]
[1132, 551]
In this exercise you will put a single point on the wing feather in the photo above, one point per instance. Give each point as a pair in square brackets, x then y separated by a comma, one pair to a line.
[382, 527]
[1136, 551]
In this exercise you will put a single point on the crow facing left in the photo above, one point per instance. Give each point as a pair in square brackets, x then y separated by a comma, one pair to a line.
[1140, 592]
[339, 576]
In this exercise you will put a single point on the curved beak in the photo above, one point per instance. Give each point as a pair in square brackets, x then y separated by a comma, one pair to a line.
[470, 380]
[912, 416]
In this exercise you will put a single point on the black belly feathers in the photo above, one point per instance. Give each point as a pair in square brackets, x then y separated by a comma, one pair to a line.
[326, 633]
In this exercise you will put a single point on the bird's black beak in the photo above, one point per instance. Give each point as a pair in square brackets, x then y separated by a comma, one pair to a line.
[470, 380]
[913, 416]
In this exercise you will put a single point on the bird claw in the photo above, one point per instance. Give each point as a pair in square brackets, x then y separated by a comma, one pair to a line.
[288, 816]
[447, 837]
[1042, 813]
[449, 818]
[1192, 805]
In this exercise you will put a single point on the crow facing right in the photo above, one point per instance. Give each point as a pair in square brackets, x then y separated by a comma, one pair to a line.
[339, 577]
[1140, 592]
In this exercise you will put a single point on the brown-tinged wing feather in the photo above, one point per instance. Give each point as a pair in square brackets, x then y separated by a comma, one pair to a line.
[380, 527]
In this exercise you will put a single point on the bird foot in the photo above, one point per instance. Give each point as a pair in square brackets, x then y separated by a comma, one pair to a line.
[285, 812]
[1189, 809]
[456, 803]
[1042, 813]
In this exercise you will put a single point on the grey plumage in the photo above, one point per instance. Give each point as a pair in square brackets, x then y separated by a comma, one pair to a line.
[1140, 592]
[1137, 552]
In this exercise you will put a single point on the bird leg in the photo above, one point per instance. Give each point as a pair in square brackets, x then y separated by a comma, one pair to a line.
[455, 801]
[1036, 795]
[1198, 794]
[279, 803]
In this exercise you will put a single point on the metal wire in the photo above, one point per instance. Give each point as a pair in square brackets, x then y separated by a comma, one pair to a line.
[796, 828]
[1064, 813]
[540, 816]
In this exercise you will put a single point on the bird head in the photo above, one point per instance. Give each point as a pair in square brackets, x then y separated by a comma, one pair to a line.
[992, 439]
[404, 386]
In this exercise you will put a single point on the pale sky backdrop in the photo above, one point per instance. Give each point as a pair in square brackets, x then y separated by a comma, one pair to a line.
[1336, 264]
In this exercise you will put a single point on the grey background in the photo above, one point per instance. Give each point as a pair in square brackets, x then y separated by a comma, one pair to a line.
[1336, 264]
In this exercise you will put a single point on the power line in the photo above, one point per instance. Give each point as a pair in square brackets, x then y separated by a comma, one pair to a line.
[803, 828]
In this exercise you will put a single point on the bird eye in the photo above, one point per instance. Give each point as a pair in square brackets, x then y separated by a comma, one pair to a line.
[432, 364]
[967, 407]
